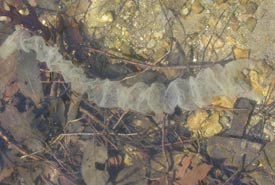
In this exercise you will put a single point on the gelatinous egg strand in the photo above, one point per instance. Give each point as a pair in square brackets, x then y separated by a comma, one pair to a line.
[188, 94]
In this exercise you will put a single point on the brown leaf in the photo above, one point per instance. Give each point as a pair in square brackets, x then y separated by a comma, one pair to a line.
[92, 156]
[133, 174]
[25, 174]
[171, 73]
[7, 168]
[11, 90]
[19, 126]
[7, 72]
[194, 175]
[28, 75]
[66, 180]
[73, 107]
[186, 161]
[197, 174]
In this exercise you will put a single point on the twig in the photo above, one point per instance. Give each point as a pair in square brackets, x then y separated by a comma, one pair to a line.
[271, 89]
[15, 147]
[149, 66]
[119, 120]
[96, 134]
[211, 37]
[163, 142]
[95, 119]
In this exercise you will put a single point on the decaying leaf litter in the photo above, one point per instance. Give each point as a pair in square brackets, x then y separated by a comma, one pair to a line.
[50, 135]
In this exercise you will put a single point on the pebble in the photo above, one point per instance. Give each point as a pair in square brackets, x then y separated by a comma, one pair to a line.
[6, 6]
[185, 11]
[243, 2]
[251, 8]
[5, 19]
[151, 44]
[33, 3]
[24, 11]
[107, 18]
[197, 7]
[240, 53]
[251, 23]
[219, 43]
[220, 1]
[234, 23]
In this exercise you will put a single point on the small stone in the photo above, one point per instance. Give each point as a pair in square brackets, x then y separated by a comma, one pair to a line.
[243, 2]
[107, 17]
[235, 26]
[220, 1]
[251, 23]
[240, 53]
[158, 35]
[216, 42]
[230, 41]
[219, 43]
[205, 40]
[185, 11]
[251, 7]
[33, 3]
[197, 7]
[5, 19]
[6, 6]
[212, 21]
[24, 11]
[234, 23]
[151, 44]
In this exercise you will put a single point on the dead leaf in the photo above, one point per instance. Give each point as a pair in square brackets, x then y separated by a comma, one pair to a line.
[28, 75]
[201, 122]
[57, 111]
[7, 72]
[241, 118]
[211, 126]
[224, 101]
[171, 73]
[195, 175]
[94, 155]
[131, 175]
[195, 120]
[52, 173]
[73, 108]
[187, 176]
[25, 68]
[18, 124]
[186, 161]
[7, 167]
[26, 175]
[232, 151]
[66, 180]
[11, 90]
